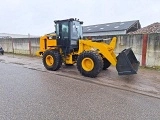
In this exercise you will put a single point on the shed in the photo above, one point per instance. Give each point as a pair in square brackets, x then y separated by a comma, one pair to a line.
[108, 29]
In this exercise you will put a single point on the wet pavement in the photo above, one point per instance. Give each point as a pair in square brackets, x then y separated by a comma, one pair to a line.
[28, 92]
[146, 82]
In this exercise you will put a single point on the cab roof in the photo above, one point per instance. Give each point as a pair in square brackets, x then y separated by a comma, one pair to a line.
[71, 19]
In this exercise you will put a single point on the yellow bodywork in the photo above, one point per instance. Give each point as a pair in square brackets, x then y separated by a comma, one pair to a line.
[106, 50]
[47, 42]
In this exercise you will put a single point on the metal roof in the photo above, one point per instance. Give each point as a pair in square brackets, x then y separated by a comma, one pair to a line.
[116, 26]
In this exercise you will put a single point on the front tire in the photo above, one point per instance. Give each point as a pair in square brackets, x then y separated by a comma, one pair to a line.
[52, 60]
[89, 63]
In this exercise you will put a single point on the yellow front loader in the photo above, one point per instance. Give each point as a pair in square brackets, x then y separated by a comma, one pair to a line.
[68, 46]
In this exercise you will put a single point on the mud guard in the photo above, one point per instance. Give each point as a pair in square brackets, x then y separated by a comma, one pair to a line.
[127, 63]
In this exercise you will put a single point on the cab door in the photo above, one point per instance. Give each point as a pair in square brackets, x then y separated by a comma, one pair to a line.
[63, 33]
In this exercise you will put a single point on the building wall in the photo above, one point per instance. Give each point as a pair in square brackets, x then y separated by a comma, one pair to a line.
[27, 46]
[136, 43]
[130, 41]
[34, 46]
[153, 50]
[21, 45]
[31, 45]
[7, 44]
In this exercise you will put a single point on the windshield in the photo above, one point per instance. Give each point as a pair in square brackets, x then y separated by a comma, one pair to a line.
[76, 30]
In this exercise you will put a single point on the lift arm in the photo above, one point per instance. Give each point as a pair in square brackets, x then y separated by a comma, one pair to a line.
[126, 63]
[106, 50]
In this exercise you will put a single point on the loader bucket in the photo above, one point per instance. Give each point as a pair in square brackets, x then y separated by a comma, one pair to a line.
[127, 63]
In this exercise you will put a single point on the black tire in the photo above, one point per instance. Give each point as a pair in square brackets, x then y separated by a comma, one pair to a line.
[97, 63]
[106, 64]
[55, 55]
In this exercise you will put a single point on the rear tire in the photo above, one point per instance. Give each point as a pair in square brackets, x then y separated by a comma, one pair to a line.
[52, 60]
[106, 64]
[89, 63]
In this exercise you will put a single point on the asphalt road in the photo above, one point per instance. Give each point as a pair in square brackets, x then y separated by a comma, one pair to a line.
[146, 82]
[27, 94]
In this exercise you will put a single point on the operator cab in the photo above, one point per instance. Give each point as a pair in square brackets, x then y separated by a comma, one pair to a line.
[68, 33]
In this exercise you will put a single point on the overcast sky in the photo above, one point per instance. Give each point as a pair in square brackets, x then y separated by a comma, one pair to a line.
[36, 16]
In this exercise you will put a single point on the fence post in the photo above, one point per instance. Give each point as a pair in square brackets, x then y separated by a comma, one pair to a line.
[144, 49]
[12, 45]
[29, 44]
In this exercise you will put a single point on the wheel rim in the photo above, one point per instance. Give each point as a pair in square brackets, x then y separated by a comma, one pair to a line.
[49, 60]
[87, 64]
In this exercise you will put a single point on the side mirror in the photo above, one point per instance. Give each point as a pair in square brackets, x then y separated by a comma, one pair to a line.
[58, 37]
